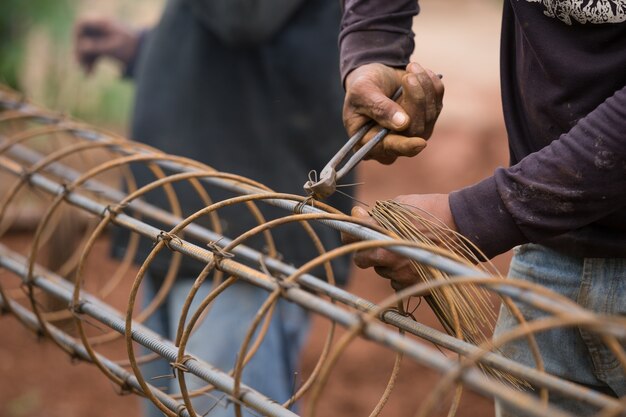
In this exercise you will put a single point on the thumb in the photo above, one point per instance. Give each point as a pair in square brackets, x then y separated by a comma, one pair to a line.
[386, 112]
[359, 212]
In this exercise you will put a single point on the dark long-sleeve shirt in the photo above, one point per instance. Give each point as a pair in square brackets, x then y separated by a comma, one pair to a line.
[563, 73]
[245, 86]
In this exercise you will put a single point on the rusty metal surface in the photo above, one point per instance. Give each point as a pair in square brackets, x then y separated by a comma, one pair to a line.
[72, 167]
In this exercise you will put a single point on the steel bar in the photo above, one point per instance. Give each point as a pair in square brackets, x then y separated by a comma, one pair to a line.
[356, 321]
[420, 353]
[419, 255]
[303, 298]
[80, 352]
[392, 317]
[107, 315]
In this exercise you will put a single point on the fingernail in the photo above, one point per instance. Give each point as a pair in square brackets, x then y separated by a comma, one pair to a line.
[399, 119]
[412, 79]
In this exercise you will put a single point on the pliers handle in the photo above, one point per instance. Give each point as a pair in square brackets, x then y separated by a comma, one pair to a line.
[327, 183]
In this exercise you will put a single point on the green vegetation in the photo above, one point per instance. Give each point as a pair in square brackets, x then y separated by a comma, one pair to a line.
[36, 57]
[17, 18]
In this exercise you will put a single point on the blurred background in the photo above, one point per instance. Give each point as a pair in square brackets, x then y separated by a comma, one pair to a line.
[36, 56]
[457, 38]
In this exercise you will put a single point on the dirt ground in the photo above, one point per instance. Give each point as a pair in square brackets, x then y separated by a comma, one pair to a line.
[37, 380]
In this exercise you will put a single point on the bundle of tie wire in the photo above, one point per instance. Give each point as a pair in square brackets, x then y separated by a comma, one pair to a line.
[464, 311]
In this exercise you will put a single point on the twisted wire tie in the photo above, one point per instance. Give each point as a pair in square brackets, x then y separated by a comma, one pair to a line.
[26, 175]
[76, 308]
[218, 254]
[180, 408]
[112, 210]
[75, 358]
[283, 286]
[27, 286]
[40, 335]
[66, 191]
[300, 206]
[125, 388]
[242, 391]
[181, 365]
[76, 312]
[167, 237]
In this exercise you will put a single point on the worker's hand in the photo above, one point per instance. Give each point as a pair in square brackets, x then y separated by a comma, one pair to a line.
[395, 267]
[411, 119]
[95, 38]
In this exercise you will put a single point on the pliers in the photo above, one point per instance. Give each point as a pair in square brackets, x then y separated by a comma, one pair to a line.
[327, 183]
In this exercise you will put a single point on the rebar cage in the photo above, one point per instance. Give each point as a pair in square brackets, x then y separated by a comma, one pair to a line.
[82, 177]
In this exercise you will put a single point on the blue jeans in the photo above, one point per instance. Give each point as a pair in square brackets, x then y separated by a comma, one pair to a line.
[217, 340]
[575, 354]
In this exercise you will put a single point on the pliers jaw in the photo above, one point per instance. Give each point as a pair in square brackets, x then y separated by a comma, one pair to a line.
[332, 172]
[323, 188]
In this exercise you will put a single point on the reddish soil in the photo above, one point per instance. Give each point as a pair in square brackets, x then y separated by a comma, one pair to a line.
[38, 380]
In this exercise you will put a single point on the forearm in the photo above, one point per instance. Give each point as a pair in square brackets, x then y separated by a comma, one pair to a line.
[244, 22]
[576, 180]
[376, 32]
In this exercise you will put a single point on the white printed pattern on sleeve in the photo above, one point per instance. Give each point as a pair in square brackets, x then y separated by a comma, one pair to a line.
[585, 11]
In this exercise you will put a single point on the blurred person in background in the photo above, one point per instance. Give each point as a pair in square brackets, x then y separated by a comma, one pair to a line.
[562, 202]
[248, 88]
